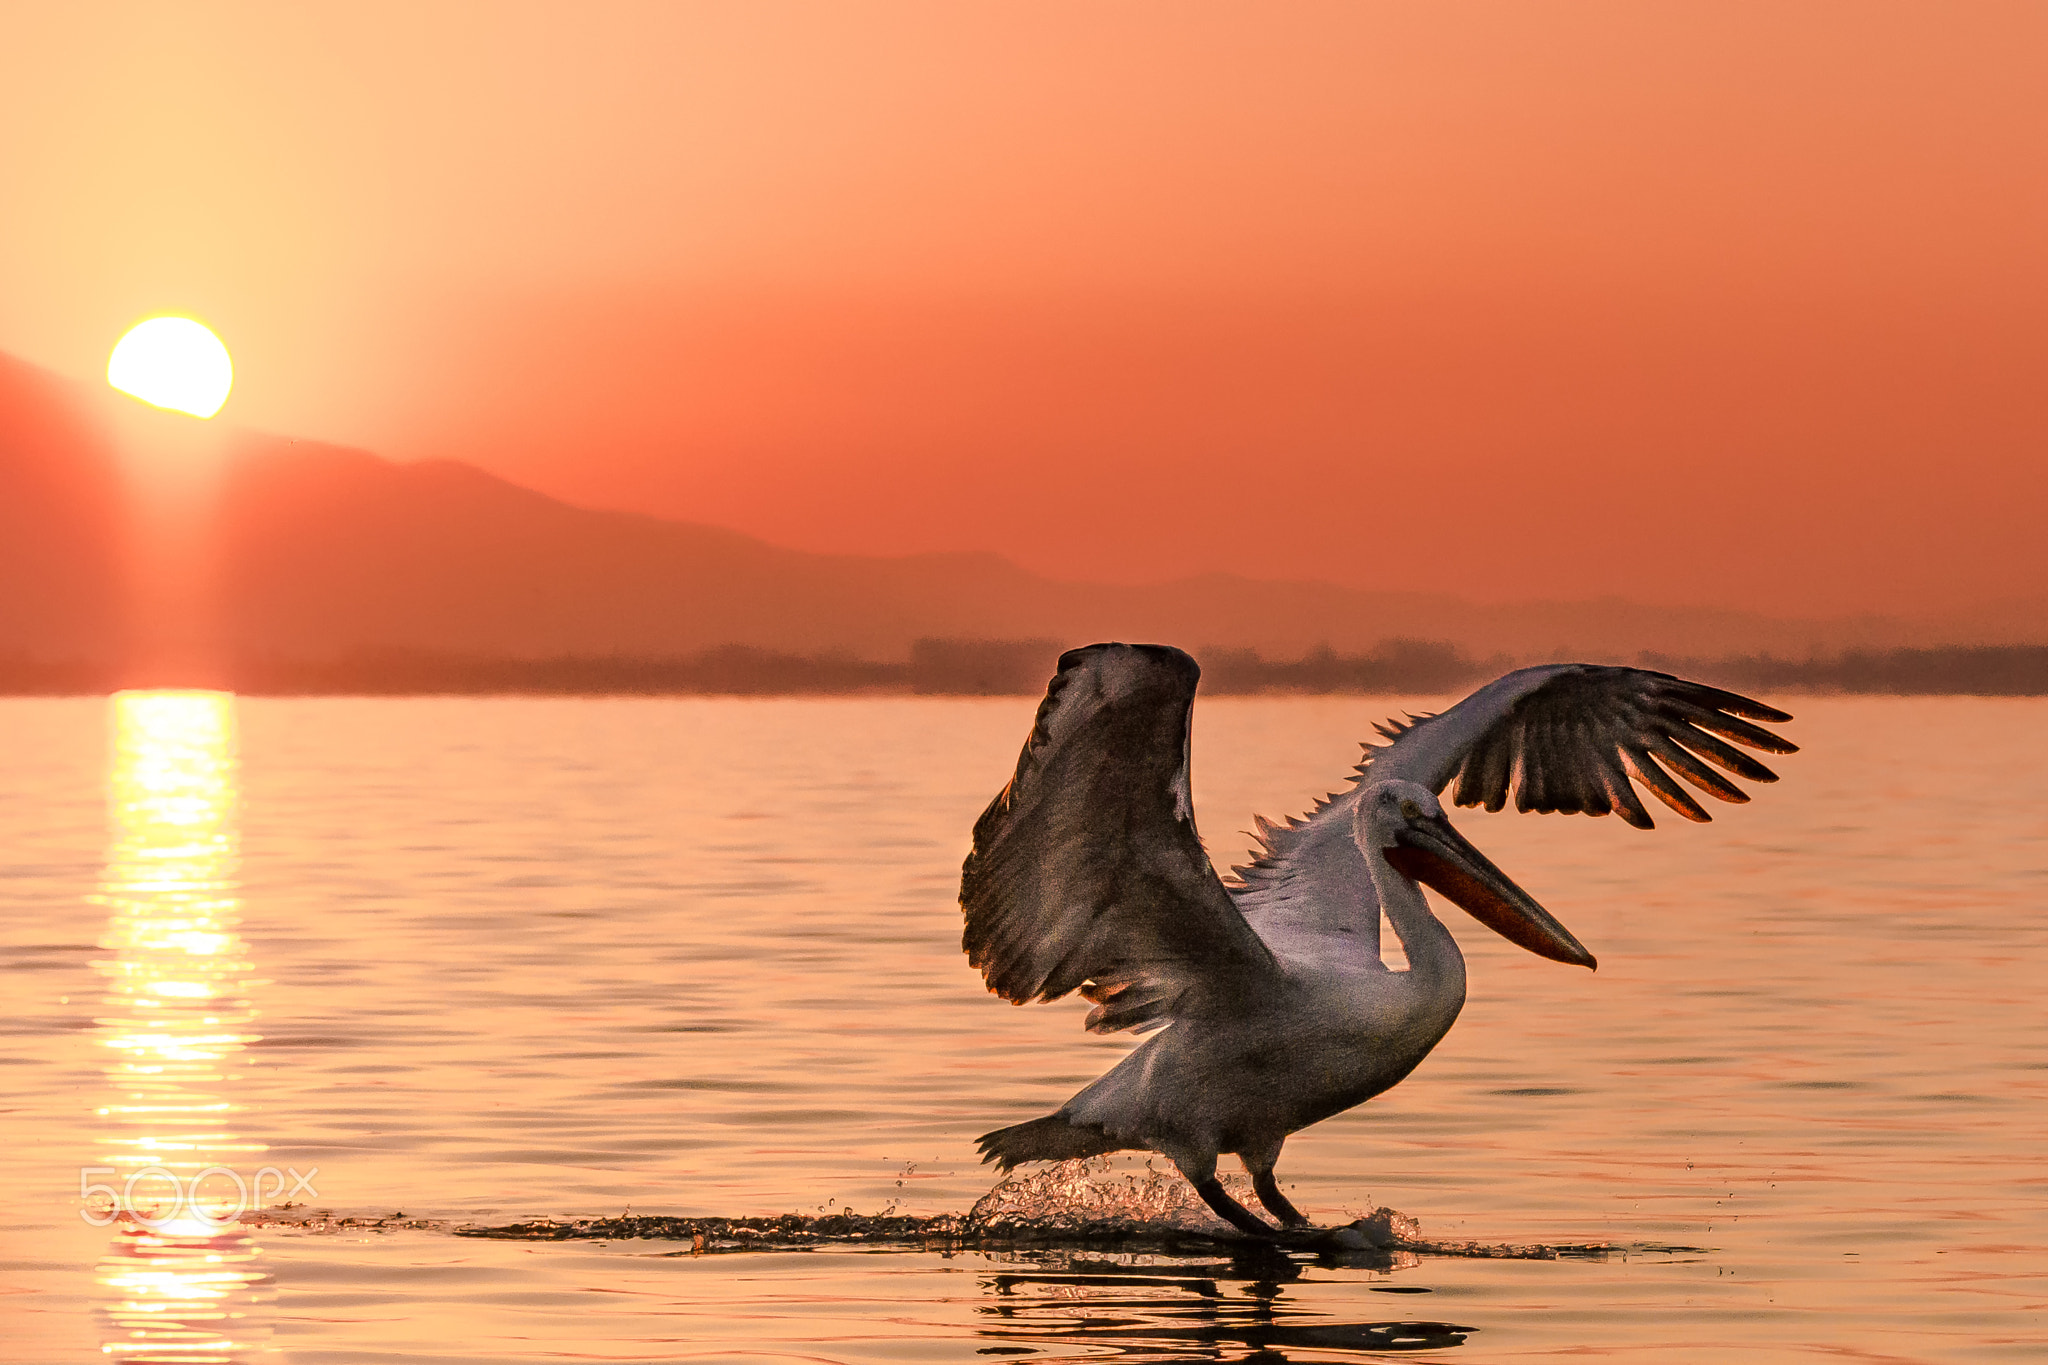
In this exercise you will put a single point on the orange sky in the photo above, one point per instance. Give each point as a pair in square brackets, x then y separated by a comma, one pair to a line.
[1708, 303]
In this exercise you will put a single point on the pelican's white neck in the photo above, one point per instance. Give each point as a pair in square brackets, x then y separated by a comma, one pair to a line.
[1432, 952]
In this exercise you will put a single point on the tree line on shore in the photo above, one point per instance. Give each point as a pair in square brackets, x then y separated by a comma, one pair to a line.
[1010, 668]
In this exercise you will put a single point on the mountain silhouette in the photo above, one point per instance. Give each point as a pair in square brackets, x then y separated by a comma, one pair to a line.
[316, 551]
[60, 520]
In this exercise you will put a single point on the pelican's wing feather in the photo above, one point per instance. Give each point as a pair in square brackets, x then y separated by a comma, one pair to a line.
[1568, 737]
[1087, 873]
[1307, 881]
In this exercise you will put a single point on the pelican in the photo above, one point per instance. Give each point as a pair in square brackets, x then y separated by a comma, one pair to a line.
[1273, 1007]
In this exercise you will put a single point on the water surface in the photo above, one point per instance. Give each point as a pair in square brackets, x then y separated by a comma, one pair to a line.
[491, 960]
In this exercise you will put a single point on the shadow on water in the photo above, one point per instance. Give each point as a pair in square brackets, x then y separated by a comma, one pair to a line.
[1188, 1309]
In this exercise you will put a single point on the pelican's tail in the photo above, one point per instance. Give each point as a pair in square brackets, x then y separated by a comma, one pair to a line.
[1052, 1138]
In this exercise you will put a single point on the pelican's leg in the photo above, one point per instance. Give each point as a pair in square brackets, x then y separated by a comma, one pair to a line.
[1260, 1164]
[1201, 1173]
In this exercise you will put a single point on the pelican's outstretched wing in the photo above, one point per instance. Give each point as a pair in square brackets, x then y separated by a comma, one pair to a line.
[1087, 873]
[1567, 737]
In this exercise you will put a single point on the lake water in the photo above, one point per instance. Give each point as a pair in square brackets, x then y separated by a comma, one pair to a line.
[482, 961]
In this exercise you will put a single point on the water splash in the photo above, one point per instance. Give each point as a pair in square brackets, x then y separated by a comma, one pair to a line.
[1078, 1204]
[1071, 1198]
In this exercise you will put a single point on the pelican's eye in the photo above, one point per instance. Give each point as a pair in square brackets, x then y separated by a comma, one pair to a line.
[1410, 811]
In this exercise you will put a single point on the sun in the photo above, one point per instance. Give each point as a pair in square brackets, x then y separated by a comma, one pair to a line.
[173, 363]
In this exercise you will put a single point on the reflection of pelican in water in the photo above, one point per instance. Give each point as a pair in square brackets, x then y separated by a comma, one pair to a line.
[1087, 874]
[1241, 1303]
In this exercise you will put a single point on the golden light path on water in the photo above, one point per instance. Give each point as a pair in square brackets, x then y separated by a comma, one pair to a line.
[180, 1280]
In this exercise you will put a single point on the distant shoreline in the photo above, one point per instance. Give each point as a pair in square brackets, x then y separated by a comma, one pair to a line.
[1009, 668]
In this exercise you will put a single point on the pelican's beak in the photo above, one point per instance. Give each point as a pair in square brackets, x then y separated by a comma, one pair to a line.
[1429, 851]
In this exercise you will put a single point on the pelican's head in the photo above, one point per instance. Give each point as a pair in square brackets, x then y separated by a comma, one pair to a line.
[1405, 822]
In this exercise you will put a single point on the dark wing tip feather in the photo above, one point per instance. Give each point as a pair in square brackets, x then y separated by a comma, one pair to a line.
[1626, 803]
[1645, 770]
[1692, 770]
[1735, 704]
[1574, 740]
[1741, 731]
[1729, 760]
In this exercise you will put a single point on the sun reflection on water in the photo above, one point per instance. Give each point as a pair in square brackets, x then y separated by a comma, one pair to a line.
[180, 1281]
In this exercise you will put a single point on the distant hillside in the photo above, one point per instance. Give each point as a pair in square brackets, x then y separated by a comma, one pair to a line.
[60, 515]
[332, 551]
[329, 554]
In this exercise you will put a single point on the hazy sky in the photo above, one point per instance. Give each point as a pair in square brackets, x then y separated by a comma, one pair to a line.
[1723, 303]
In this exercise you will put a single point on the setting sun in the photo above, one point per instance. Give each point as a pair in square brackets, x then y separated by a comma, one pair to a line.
[173, 363]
